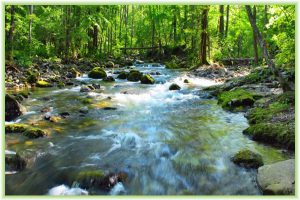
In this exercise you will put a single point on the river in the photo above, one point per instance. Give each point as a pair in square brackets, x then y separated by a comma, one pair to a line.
[167, 142]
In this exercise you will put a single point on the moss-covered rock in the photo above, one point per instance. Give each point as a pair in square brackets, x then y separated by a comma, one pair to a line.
[109, 79]
[134, 76]
[123, 75]
[97, 73]
[174, 86]
[86, 101]
[43, 84]
[34, 133]
[276, 133]
[14, 162]
[236, 99]
[264, 114]
[13, 108]
[147, 79]
[24, 129]
[15, 128]
[186, 81]
[90, 178]
[248, 159]
[32, 78]
[60, 84]
[110, 64]
[73, 73]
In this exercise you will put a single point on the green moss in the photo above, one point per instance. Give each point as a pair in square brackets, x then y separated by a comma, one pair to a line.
[32, 78]
[123, 75]
[236, 98]
[34, 133]
[247, 158]
[86, 101]
[258, 75]
[43, 84]
[147, 79]
[90, 178]
[258, 115]
[134, 76]
[97, 73]
[60, 85]
[171, 64]
[286, 98]
[280, 133]
[15, 128]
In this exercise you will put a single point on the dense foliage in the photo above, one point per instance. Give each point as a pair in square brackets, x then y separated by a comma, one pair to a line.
[72, 32]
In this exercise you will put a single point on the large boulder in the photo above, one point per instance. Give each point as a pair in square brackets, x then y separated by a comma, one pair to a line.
[248, 159]
[109, 79]
[147, 79]
[97, 73]
[73, 73]
[236, 99]
[13, 108]
[277, 178]
[14, 162]
[26, 130]
[134, 76]
[123, 75]
[97, 179]
[174, 86]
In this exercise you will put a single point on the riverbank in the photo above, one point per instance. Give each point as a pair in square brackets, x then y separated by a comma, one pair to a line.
[88, 111]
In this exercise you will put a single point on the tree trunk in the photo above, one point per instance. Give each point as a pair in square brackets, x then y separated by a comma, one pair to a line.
[227, 20]
[11, 33]
[126, 26]
[95, 37]
[132, 26]
[286, 86]
[174, 27]
[30, 23]
[68, 27]
[221, 24]
[255, 38]
[203, 45]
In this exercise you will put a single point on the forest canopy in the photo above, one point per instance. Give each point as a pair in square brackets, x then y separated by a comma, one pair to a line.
[75, 31]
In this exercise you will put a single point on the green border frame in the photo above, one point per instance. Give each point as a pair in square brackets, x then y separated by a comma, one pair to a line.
[146, 2]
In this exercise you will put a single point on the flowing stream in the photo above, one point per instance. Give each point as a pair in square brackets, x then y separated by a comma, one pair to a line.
[168, 142]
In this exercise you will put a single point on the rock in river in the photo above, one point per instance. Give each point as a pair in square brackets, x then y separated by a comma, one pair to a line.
[13, 108]
[147, 79]
[174, 86]
[248, 159]
[277, 178]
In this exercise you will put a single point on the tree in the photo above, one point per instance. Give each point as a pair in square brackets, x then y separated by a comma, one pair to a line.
[221, 22]
[227, 20]
[203, 45]
[255, 38]
[286, 86]
[11, 33]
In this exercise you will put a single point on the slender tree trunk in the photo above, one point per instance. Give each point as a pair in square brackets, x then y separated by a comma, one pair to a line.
[153, 30]
[132, 26]
[126, 26]
[286, 86]
[11, 33]
[174, 27]
[203, 45]
[227, 20]
[95, 37]
[30, 23]
[255, 38]
[68, 39]
[221, 24]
